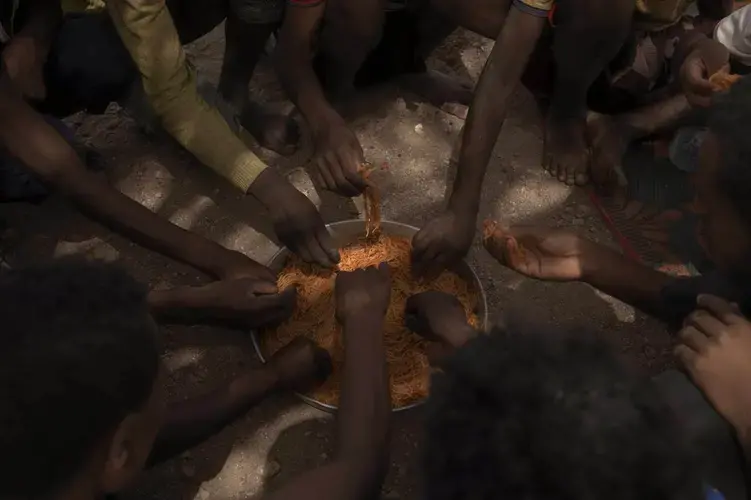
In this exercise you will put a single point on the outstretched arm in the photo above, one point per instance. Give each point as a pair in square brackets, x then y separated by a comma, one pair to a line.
[25, 135]
[446, 239]
[359, 466]
[498, 81]
[191, 422]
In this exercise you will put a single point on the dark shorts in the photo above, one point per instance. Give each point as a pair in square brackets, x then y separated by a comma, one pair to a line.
[88, 67]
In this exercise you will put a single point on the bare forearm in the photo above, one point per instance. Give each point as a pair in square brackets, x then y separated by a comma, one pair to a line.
[26, 136]
[193, 421]
[624, 279]
[365, 404]
[498, 81]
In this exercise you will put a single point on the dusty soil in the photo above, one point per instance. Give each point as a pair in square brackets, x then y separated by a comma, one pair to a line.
[282, 436]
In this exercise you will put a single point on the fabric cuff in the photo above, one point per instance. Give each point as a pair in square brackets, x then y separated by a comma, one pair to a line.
[244, 171]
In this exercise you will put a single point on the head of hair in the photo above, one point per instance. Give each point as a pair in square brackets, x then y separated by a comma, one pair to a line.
[79, 353]
[528, 415]
[729, 122]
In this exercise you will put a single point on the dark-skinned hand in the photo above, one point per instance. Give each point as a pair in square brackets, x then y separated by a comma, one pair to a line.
[537, 252]
[297, 223]
[250, 302]
[441, 243]
[338, 159]
[705, 60]
[363, 294]
[301, 364]
[438, 317]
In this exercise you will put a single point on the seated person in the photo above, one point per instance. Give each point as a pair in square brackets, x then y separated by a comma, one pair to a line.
[40, 57]
[83, 396]
[681, 89]
[327, 48]
[723, 184]
[525, 413]
[586, 36]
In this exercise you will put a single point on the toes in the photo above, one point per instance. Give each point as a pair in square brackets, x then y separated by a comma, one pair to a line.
[561, 172]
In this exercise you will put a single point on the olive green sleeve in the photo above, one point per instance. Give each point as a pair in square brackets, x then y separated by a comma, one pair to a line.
[148, 32]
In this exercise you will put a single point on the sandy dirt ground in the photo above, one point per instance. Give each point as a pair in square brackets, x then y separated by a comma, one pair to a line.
[283, 437]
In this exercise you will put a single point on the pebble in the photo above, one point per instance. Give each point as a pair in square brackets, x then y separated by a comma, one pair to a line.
[273, 468]
[419, 128]
[203, 494]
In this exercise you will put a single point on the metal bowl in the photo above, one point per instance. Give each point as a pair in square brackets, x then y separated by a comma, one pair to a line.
[347, 232]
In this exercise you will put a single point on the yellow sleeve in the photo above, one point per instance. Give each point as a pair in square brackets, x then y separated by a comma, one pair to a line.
[148, 32]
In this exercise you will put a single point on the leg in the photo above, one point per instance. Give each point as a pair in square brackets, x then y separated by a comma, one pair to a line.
[609, 136]
[249, 25]
[351, 31]
[484, 17]
[443, 91]
[588, 36]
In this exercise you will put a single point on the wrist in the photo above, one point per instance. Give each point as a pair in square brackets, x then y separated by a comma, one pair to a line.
[269, 188]
[323, 120]
[593, 257]
[465, 205]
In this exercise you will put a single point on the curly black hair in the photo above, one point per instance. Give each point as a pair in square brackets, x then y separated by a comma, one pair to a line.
[534, 416]
[730, 122]
[79, 352]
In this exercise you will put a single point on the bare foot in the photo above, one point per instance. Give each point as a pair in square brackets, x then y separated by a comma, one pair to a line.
[609, 141]
[715, 349]
[447, 93]
[273, 131]
[565, 153]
